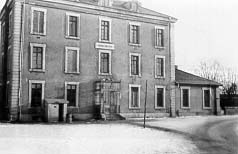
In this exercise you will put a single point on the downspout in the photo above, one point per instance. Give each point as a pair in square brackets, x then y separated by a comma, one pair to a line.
[21, 61]
[170, 72]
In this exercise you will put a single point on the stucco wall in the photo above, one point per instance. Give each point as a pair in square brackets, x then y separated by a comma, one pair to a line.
[55, 41]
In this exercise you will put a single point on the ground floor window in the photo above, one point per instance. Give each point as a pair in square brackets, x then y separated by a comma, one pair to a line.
[134, 96]
[185, 97]
[206, 98]
[159, 97]
[71, 93]
[36, 93]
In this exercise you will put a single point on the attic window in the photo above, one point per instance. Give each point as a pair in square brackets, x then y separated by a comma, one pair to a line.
[107, 3]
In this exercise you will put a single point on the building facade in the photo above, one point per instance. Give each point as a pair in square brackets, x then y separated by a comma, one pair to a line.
[93, 55]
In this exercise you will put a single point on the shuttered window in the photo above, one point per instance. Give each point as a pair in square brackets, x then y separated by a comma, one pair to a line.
[135, 65]
[159, 37]
[159, 66]
[38, 21]
[72, 60]
[135, 97]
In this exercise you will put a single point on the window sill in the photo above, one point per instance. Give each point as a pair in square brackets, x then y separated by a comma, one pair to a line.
[105, 74]
[134, 108]
[207, 108]
[160, 77]
[105, 41]
[40, 34]
[37, 70]
[73, 73]
[185, 108]
[160, 108]
[138, 76]
[134, 44]
[159, 47]
[72, 37]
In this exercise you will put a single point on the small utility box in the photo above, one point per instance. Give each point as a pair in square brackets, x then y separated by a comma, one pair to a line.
[55, 110]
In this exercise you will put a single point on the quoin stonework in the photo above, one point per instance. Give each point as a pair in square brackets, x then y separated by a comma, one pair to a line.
[90, 59]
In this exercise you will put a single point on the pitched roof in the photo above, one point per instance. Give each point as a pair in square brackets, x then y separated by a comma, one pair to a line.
[125, 5]
[182, 77]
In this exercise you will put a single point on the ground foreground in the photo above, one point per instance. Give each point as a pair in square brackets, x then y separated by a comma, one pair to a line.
[190, 135]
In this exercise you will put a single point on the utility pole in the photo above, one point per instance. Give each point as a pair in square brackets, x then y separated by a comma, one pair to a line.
[145, 103]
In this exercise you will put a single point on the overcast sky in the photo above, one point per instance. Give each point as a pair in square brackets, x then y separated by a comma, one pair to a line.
[206, 30]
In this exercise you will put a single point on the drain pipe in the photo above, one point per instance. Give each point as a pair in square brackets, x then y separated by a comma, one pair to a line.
[21, 61]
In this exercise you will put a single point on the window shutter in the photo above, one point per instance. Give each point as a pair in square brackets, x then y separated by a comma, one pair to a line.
[129, 34]
[78, 26]
[35, 21]
[41, 24]
[67, 25]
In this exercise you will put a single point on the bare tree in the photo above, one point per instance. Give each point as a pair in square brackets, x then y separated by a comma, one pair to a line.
[215, 71]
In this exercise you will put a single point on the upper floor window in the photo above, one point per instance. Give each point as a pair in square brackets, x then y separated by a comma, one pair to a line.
[38, 21]
[159, 37]
[159, 97]
[37, 54]
[104, 62]
[206, 98]
[159, 66]
[134, 33]
[71, 60]
[185, 97]
[72, 25]
[135, 64]
[105, 30]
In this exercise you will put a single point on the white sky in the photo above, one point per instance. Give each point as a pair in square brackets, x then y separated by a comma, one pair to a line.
[206, 30]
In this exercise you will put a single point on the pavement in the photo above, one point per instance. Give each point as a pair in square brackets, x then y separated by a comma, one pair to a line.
[210, 134]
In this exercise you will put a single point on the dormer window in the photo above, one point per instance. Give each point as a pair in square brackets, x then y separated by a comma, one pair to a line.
[107, 3]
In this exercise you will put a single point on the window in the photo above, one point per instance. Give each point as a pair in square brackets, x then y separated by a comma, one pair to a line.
[10, 24]
[134, 96]
[185, 97]
[71, 93]
[159, 66]
[36, 93]
[135, 64]
[206, 98]
[72, 25]
[38, 21]
[134, 32]
[159, 37]
[104, 62]
[105, 2]
[159, 97]
[72, 60]
[37, 54]
[105, 29]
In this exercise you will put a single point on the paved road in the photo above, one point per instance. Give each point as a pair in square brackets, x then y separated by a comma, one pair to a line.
[217, 137]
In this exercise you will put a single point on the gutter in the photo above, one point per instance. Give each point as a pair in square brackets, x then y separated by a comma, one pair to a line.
[21, 61]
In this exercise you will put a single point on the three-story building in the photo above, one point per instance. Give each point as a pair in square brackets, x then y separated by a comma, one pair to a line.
[95, 54]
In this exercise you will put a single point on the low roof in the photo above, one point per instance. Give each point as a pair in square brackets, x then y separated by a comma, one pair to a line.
[182, 77]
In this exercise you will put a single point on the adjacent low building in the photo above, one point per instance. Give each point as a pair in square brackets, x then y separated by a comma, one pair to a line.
[196, 95]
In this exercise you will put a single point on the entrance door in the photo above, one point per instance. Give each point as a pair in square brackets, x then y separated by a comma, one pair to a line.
[61, 112]
[111, 102]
